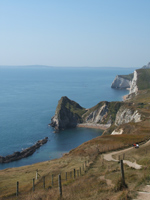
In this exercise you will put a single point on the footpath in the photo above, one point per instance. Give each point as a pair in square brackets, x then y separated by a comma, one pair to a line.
[144, 194]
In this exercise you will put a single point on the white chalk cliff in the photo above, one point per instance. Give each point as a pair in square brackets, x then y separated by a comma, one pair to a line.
[134, 88]
[121, 83]
[126, 115]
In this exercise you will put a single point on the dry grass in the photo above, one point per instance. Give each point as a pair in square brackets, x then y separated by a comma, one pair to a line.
[89, 185]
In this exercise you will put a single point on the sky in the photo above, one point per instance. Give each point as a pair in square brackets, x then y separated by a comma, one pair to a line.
[75, 33]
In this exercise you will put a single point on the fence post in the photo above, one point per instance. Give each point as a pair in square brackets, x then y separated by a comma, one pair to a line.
[74, 173]
[66, 176]
[17, 189]
[59, 185]
[52, 180]
[36, 174]
[44, 182]
[80, 171]
[33, 185]
[122, 172]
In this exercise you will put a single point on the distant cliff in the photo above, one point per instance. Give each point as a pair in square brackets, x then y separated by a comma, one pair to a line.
[122, 81]
[146, 66]
[139, 80]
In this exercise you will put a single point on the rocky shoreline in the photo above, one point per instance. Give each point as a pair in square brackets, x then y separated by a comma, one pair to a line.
[23, 154]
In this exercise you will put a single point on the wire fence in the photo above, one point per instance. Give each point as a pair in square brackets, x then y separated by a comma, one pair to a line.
[54, 180]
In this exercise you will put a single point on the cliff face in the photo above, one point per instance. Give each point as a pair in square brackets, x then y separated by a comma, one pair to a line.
[103, 113]
[138, 80]
[134, 88]
[68, 114]
[107, 114]
[111, 115]
[126, 115]
[121, 83]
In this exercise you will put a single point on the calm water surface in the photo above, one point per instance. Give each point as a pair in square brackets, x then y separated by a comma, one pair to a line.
[28, 99]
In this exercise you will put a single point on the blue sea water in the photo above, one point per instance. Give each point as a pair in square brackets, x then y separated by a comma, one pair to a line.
[28, 99]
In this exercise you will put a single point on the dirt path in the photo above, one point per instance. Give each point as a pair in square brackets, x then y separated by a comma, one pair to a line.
[144, 194]
[109, 157]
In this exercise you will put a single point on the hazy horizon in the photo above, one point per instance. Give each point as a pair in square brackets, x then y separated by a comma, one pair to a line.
[77, 33]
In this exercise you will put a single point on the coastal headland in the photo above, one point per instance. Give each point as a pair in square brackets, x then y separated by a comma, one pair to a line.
[100, 178]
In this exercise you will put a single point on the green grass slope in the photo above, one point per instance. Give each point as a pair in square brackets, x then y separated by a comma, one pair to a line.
[143, 79]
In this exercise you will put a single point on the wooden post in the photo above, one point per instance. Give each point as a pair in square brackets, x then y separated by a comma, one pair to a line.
[36, 174]
[122, 171]
[44, 182]
[52, 180]
[80, 171]
[74, 173]
[66, 176]
[59, 185]
[17, 189]
[33, 185]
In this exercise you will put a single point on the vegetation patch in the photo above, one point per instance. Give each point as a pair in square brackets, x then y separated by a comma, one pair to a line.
[143, 81]
[128, 77]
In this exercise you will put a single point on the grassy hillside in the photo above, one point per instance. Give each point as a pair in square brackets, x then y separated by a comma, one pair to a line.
[128, 77]
[74, 107]
[90, 185]
[143, 81]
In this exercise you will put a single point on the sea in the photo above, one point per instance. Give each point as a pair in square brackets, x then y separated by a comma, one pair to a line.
[28, 99]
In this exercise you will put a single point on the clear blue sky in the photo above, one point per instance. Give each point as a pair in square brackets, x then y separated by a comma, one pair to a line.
[75, 32]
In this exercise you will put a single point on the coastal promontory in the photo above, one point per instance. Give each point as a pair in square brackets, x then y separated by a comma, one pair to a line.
[68, 114]
[104, 115]
[122, 81]
[114, 117]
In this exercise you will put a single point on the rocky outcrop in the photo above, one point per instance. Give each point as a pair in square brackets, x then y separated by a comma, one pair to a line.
[105, 115]
[68, 114]
[121, 82]
[23, 154]
[117, 132]
[98, 115]
[126, 115]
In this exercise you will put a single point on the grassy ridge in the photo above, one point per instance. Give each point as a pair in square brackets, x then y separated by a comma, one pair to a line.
[70, 105]
[128, 77]
[143, 81]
